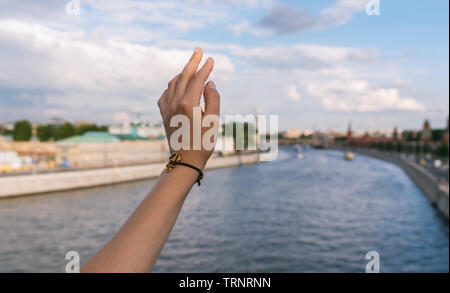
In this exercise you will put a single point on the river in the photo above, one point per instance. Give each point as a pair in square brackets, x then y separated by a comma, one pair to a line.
[320, 214]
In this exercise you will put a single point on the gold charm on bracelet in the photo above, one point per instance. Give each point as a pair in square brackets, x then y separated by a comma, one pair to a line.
[174, 158]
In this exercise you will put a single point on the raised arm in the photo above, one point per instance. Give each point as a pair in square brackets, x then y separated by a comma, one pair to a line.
[137, 245]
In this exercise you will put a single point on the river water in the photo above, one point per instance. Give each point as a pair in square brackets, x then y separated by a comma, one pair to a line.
[320, 214]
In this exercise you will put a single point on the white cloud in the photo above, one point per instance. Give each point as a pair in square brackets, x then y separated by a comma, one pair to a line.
[341, 12]
[44, 58]
[79, 72]
[306, 56]
[130, 19]
[245, 27]
[352, 94]
[292, 93]
[177, 15]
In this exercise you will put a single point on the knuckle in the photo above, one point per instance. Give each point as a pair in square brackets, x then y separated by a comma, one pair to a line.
[162, 99]
[173, 81]
[198, 78]
[184, 75]
[185, 104]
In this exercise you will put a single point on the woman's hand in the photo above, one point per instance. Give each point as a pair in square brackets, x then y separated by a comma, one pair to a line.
[181, 97]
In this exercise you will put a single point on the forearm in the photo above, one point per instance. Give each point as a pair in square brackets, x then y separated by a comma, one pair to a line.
[136, 247]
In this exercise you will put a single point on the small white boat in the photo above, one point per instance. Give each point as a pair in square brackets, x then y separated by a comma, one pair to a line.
[437, 163]
[300, 156]
[349, 156]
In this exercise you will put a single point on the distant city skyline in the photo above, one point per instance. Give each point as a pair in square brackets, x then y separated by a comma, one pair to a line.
[317, 64]
[126, 124]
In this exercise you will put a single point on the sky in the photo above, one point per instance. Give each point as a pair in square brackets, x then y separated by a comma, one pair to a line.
[316, 64]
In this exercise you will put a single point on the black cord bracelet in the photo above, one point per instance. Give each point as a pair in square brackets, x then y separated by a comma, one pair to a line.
[200, 172]
[175, 159]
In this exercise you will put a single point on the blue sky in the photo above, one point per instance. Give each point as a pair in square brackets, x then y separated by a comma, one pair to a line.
[317, 64]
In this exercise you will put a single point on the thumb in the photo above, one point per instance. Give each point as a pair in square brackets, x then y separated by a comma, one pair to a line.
[212, 99]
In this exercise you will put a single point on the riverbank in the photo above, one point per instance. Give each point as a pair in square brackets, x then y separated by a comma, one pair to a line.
[22, 185]
[437, 194]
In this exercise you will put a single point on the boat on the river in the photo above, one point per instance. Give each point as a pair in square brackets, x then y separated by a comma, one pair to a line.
[349, 156]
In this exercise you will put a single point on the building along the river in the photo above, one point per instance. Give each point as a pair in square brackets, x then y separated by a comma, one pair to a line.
[98, 149]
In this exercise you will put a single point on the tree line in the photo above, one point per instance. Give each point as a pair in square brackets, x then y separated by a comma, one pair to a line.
[436, 135]
[438, 149]
[22, 131]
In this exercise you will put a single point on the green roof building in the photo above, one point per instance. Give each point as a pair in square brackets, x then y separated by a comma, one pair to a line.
[92, 137]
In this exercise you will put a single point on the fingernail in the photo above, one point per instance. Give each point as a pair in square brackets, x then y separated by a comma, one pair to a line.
[197, 50]
[212, 85]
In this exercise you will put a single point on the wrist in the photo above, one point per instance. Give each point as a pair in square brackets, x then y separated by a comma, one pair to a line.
[195, 158]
